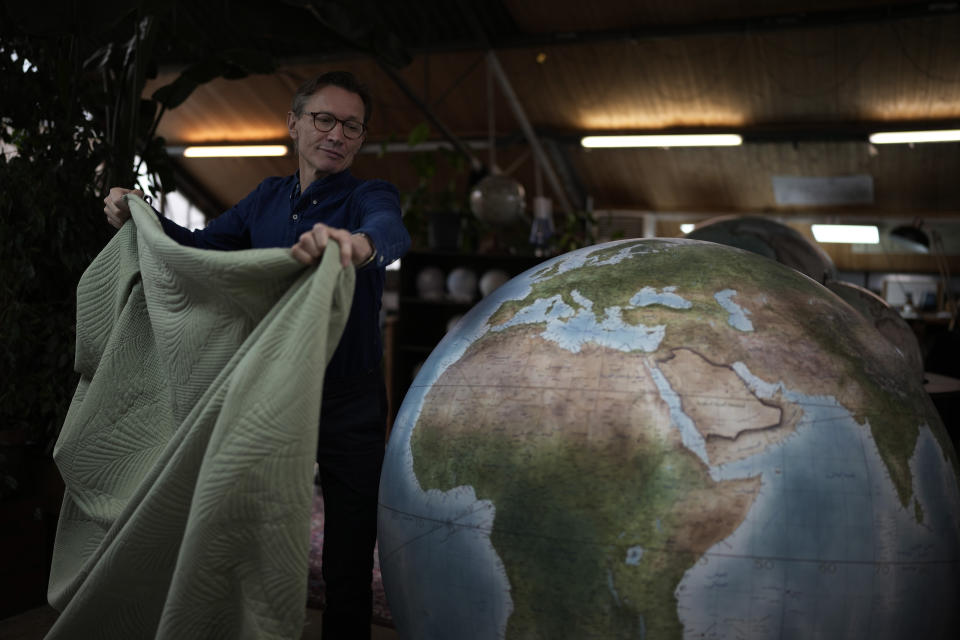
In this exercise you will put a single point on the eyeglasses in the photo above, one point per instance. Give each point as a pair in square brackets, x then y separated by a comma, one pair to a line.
[324, 122]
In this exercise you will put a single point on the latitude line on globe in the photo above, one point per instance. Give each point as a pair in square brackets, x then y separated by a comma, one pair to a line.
[851, 410]
[440, 525]
[742, 556]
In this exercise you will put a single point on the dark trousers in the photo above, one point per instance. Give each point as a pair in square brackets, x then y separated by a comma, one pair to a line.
[350, 449]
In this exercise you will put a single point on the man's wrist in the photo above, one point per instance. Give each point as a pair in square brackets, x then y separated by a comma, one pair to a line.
[373, 250]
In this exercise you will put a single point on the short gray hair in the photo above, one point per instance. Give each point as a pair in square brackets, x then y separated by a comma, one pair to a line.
[343, 79]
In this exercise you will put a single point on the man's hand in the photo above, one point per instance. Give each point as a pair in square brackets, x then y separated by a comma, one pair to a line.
[353, 248]
[116, 207]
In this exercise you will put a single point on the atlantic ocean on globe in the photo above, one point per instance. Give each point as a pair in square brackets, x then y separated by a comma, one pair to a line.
[668, 439]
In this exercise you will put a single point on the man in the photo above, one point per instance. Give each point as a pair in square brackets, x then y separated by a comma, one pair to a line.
[327, 123]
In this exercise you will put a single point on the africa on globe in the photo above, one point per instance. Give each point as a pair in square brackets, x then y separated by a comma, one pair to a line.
[668, 439]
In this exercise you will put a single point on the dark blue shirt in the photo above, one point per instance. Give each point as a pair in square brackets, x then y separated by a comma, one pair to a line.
[275, 214]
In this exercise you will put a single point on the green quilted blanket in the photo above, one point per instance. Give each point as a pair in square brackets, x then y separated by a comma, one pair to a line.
[188, 450]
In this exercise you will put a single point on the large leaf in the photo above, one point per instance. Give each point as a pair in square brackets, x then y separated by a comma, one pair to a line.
[419, 134]
[100, 59]
[233, 64]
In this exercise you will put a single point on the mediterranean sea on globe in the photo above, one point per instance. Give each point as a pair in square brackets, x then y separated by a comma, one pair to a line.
[668, 439]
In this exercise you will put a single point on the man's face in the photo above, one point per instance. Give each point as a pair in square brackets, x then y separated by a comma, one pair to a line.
[325, 153]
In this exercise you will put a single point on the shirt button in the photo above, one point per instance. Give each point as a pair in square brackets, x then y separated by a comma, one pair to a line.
[314, 202]
[296, 216]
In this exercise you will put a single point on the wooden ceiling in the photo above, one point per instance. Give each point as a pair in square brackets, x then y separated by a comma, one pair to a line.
[803, 80]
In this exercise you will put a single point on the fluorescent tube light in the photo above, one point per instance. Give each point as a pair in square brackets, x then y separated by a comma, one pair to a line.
[236, 151]
[907, 137]
[846, 233]
[691, 140]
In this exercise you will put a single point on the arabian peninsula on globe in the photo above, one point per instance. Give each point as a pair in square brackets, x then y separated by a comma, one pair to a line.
[668, 439]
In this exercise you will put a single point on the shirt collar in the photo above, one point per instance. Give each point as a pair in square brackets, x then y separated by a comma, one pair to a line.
[329, 181]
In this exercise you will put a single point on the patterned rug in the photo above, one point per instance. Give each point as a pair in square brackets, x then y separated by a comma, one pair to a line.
[315, 588]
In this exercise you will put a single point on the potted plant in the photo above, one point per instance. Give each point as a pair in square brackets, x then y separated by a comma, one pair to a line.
[435, 211]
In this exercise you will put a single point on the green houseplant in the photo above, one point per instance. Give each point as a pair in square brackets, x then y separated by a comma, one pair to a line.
[435, 211]
[74, 122]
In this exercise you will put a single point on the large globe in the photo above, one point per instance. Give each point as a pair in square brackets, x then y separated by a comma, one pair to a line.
[885, 318]
[769, 238]
[668, 439]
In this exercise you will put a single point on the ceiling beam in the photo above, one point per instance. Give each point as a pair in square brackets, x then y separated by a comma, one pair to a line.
[818, 19]
[475, 163]
[886, 12]
[496, 72]
[541, 157]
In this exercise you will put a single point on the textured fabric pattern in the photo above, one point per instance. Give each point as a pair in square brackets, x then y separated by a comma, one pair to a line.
[275, 214]
[188, 450]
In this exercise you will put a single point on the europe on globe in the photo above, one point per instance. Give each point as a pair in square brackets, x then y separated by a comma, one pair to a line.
[668, 439]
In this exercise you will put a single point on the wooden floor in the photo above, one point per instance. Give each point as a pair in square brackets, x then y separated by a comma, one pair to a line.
[34, 624]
